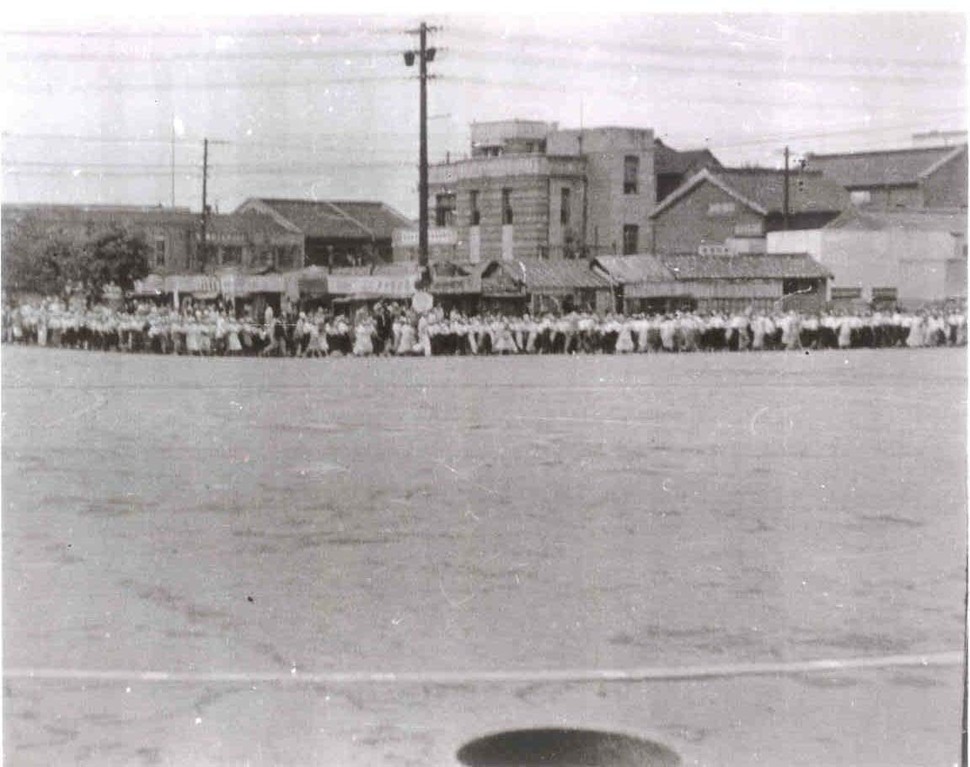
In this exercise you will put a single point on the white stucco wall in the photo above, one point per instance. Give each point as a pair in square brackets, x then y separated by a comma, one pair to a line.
[914, 262]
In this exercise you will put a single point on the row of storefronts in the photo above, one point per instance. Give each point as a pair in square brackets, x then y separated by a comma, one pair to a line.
[628, 284]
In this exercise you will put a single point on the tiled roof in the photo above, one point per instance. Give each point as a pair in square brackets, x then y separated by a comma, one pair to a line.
[540, 274]
[339, 219]
[934, 220]
[744, 267]
[887, 168]
[250, 222]
[807, 192]
[377, 217]
[667, 160]
[763, 190]
[633, 269]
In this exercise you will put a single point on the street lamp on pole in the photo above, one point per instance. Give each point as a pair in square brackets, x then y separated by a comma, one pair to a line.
[423, 55]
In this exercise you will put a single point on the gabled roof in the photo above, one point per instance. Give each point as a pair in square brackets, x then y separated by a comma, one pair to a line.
[898, 167]
[338, 219]
[667, 160]
[927, 220]
[632, 269]
[762, 190]
[539, 274]
[745, 267]
[250, 222]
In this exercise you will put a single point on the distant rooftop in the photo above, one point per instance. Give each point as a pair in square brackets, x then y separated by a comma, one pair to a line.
[334, 219]
[763, 190]
[887, 167]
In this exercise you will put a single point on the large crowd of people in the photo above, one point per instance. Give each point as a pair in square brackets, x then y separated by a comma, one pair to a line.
[393, 328]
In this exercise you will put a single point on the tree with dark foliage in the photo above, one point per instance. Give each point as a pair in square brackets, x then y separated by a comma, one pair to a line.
[49, 261]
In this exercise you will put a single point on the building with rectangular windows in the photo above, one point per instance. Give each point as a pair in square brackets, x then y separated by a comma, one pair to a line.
[532, 190]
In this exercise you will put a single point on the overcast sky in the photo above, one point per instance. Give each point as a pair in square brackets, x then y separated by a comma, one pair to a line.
[324, 107]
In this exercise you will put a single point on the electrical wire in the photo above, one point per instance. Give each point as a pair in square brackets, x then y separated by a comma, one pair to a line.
[524, 44]
[309, 29]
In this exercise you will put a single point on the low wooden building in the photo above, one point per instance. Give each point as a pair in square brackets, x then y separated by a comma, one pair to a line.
[538, 286]
[335, 232]
[777, 282]
[642, 283]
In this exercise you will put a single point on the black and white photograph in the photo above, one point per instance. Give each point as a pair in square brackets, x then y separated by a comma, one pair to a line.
[507, 388]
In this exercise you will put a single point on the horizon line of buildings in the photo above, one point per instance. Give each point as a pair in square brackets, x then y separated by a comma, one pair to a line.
[530, 190]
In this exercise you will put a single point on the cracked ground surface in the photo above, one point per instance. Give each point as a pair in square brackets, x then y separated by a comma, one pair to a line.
[250, 523]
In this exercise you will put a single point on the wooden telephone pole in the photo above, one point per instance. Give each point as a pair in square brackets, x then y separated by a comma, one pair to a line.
[424, 55]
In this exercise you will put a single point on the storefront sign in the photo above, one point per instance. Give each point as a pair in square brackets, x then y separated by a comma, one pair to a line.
[392, 287]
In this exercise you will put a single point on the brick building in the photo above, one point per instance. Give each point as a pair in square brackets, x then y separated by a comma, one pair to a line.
[533, 190]
[732, 209]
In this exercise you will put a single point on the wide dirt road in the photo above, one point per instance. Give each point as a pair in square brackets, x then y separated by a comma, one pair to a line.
[273, 533]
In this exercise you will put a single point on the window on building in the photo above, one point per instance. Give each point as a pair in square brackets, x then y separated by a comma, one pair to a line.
[749, 229]
[160, 248]
[444, 211]
[284, 256]
[475, 215]
[564, 206]
[721, 209]
[507, 207]
[631, 235]
[631, 172]
[860, 196]
[232, 254]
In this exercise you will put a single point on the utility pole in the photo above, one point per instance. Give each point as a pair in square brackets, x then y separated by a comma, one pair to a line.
[424, 55]
[205, 205]
[585, 250]
[173, 162]
[786, 190]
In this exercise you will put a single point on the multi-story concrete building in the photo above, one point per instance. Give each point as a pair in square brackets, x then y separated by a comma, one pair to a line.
[533, 190]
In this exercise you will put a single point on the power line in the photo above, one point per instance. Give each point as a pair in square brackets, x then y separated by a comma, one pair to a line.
[693, 67]
[307, 30]
[569, 86]
[149, 57]
[48, 88]
[356, 136]
[777, 138]
[831, 130]
[646, 71]
[692, 50]
[136, 168]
